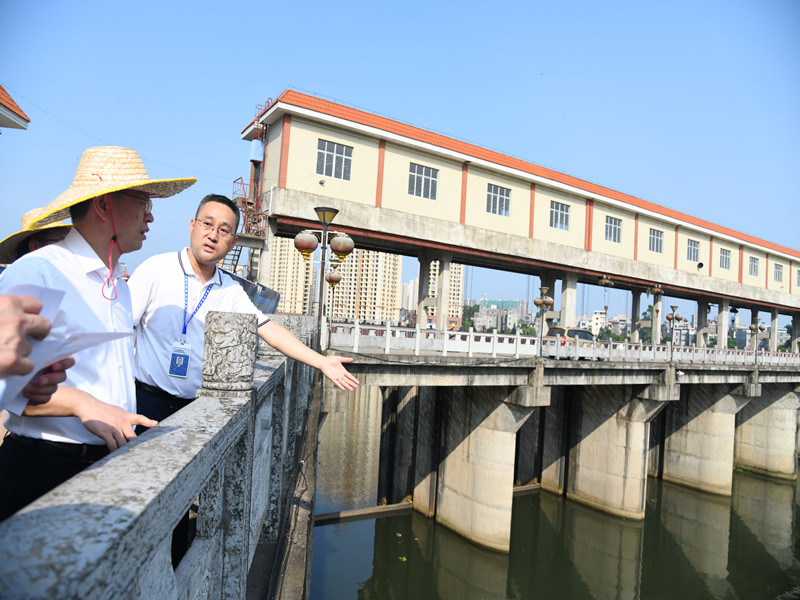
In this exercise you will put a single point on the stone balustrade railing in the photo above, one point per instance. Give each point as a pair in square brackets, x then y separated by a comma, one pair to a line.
[106, 533]
[388, 339]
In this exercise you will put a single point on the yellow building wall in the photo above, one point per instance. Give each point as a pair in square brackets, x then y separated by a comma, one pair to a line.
[758, 280]
[576, 234]
[774, 284]
[272, 165]
[516, 223]
[622, 249]
[447, 205]
[684, 264]
[731, 274]
[301, 172]
[665, 258]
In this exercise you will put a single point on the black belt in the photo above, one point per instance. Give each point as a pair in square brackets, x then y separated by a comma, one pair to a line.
[157, 391]
[85, 452]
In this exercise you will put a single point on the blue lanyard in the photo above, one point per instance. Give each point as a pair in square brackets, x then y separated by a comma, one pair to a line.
[186, 301]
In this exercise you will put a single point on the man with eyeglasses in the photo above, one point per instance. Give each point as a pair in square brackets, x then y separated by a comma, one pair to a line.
[173, 292]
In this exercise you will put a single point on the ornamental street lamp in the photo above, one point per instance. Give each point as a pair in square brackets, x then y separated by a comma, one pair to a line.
[340, 243]
[754, 329]
[673, 319]
[543, 303]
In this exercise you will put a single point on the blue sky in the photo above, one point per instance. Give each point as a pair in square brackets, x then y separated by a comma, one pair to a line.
[692, 105]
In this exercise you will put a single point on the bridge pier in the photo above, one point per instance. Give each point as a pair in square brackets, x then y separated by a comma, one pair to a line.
[476, 469]
[699, 437]
[766, 433]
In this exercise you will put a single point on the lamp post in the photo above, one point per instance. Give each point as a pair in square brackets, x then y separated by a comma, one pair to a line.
[543, 303]
[754, 329]
[340, 243]
[671, 319]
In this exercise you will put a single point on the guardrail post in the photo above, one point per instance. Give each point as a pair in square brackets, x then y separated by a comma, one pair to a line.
[445, 336]
[388, 344]
[516, 345]
[417, 340]
[494, 343]
[356, 335]
[469, 342]
[229, 355]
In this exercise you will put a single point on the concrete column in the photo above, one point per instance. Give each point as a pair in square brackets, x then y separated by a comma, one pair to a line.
[426, 463]
[264, 261]
[723, 314]
[702, 323]
[699, 438]
[656, 319]
[766, 433]
[636, 309]
[569, 300]
[424, 292]
[388, 445]
[795, 333]
[555, 448]
[403, 472]
[529, 450]
[443, 292]
[773, 331]
[609, 440]
[476, 468]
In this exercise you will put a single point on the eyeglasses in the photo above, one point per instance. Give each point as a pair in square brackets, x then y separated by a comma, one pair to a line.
[223, 230]
[148, 203]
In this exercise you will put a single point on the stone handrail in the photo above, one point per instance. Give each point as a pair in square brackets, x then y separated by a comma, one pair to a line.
[106, 533]
[387, 339]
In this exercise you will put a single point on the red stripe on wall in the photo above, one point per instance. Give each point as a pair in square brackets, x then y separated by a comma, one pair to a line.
[710, 255]
[636, 238]
[587, 237]
[533, 203]
[677, 227]
[284, 164]
[766, 274]
[741, 263]
[379, 188]
[464, 172]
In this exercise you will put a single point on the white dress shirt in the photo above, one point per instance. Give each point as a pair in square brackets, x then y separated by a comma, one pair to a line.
[104, 371]
[158, 295]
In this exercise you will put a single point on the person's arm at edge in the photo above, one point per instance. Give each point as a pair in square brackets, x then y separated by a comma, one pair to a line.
[114, 425]
[286, 342]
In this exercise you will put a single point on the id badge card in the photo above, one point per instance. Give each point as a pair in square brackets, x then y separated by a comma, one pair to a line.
[179, 360]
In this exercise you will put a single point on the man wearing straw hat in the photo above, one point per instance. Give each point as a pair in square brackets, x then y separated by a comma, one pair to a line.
[14, 345]
[93, 413]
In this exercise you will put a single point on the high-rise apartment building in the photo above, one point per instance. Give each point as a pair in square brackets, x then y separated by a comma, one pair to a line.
[369, 290]
[455, 309]
[292, 277]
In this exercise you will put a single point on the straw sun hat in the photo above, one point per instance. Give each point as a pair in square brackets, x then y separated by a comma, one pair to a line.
[107, 169]
[9, 247]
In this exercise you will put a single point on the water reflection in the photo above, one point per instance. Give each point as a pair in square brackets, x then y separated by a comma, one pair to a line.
[691, 545]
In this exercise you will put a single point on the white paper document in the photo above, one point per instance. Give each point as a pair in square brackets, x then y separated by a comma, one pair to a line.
[47, 351]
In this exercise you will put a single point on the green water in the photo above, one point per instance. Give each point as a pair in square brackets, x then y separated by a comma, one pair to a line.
[690, 546]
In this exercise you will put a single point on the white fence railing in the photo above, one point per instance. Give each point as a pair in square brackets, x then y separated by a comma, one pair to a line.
[360, 337]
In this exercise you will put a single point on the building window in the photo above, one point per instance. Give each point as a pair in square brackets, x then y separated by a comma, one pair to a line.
[334, 160]
[497, 200]
[422, 181]
[778, 273]
[753, 266]
[724, 259]
[559, 215]
[693, 251]
[613, 230]
[656, 241]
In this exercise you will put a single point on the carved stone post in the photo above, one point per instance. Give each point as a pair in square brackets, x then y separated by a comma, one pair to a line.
[229, 355]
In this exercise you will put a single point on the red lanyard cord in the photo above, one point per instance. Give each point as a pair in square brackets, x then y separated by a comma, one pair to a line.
[113, 241]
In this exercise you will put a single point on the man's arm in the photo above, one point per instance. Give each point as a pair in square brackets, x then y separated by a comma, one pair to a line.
[19, 318]
[45, 383]
[286, 342]
[114, 425]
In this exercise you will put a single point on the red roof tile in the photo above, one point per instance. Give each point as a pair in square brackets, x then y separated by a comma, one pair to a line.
[9, 103]
[369, 119]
